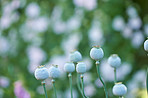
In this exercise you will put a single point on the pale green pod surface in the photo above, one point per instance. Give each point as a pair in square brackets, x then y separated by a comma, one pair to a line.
[114, 61]
[41, 73]
[69, 67]
[54, 72]
[119, 89]
[96, 53]
[81, 68]
[146, 45]
[75, 56]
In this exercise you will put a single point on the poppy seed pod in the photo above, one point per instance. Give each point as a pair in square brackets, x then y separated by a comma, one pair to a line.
[81, 67]
[69, 67]
[41, 73]
[54, 71]
[114, 60]
[146, 45]
[96, 53]
[75, 56]
[119, 89]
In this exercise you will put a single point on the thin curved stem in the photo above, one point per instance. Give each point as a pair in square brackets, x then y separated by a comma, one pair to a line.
[45, 90]
[115, 76]
[78, 83]
[70, 82]
[82, 84]
[98, 71]
[53, 83]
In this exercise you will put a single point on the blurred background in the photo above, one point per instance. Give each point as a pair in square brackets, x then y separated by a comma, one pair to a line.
[35, 32]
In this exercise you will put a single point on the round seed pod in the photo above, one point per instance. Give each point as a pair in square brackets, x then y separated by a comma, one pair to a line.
[41, 73]
[114, 61]
[119, 89]
[54, 72]
[69, 67]
[146, 45]
[75, 56]
[81, 67]
[96, 53]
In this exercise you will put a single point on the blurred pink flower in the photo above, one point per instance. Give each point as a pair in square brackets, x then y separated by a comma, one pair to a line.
[20, 91]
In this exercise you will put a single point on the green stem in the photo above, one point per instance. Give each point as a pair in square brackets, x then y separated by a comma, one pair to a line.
[70, 81]
[121, 97]
[115, 76]
[82, 84]
[45, 90]
[147, 81]
[98, 71]
[53, 82]
[78, 83]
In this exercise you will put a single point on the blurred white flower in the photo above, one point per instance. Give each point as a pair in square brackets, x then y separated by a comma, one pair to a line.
[146, 29]
[87, 78]
[32, 10]
[89, 90]
[131, 11]
[71, 42]
[37, 25]
[4, 82]
[13, 42]
[15, 17]
[137, 39]
[88, 4]
[32, 66]
[8, 8]
[4, 45]
[36, 55]
[98, 83]
[106, 71]
[60, 61]
[135, 23]
[30, 36]
[59, 27]
[137, 81]
[68, 94]
[118, 23]
[56, 14]
[8, 15]
[127, 32]
[5, 22]
[95, 34]
[132, 85]
[16, 4]
[123, 71]
[40, 90]
[140, 77]
[74, 23]
[88, 63]
[26, 34]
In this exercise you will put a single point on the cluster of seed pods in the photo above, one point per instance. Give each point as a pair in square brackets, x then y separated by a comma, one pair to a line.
[76, 63]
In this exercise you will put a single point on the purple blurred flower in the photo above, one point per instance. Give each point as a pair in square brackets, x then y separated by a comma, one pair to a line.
[4, 82]
[20, 91]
